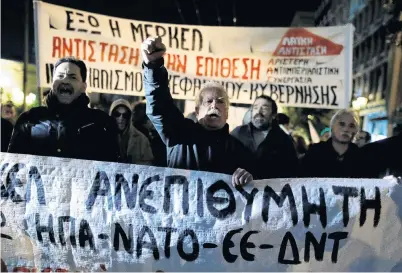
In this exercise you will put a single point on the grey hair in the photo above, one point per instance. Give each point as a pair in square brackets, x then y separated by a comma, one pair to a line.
[343, 112]
[214, 86]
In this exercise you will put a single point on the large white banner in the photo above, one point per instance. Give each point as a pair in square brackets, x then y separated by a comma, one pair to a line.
[303, 67]
[77, 215]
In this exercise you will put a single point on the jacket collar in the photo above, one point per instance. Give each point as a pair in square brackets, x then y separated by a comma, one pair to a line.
[351, 148]
[79, 104]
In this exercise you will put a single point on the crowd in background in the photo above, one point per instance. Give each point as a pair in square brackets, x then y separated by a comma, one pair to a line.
[156, 132]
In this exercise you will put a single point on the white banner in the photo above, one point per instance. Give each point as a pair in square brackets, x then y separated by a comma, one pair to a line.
[303, 67]
[68, 214]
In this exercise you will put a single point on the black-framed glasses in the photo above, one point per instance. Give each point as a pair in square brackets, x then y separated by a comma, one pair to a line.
[126, 115]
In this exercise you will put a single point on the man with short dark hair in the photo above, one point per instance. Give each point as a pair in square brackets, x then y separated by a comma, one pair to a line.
[66, 127]
[274, 149]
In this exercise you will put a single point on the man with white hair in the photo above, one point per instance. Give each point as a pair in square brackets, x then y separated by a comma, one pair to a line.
[336, 157]
[205, 145]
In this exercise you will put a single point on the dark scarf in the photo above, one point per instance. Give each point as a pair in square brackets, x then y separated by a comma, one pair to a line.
[78, 105]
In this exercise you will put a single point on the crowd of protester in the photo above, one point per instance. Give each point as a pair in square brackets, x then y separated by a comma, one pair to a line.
[157, 133]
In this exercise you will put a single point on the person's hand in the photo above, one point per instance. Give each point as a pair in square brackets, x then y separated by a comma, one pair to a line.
[393, 178]
[241, 177]
[152, 49]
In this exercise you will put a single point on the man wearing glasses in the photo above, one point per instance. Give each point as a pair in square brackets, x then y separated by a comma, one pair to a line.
[134, 145]
[205, 145]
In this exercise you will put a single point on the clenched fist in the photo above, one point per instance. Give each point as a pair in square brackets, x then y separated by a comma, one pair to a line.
[152, 49]
[241, 177]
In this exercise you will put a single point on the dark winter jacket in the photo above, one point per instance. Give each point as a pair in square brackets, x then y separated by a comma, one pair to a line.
[321, 160]
[72, 131]
[382, 158]
[276, 156]
[189, 145]
[6, 131]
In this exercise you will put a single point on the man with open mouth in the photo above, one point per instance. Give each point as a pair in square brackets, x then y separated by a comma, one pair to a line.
[205, 145]
[66, 126]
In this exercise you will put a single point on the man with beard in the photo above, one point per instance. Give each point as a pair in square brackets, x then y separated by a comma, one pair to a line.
[205, 145]
[338, 156]
[134, 146]
[274, 149]
[66, 127]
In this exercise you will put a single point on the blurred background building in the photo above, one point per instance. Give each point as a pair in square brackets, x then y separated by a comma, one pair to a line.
[303, 19]
[374, 57]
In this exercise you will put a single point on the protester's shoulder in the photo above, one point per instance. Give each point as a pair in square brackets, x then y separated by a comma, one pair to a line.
[5, 124]
[353, 147]
[137, 134]
[97, 115]
[317, 147]
[281, 135]
[237, 143]
[239, 130]
[34, 113]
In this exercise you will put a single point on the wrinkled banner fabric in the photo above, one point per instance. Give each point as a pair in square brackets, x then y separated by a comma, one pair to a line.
[301, 67]
[68, 215]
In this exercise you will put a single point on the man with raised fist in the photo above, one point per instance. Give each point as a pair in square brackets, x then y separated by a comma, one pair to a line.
[205, 145]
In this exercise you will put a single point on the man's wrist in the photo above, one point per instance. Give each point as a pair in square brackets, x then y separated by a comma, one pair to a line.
[155, 64]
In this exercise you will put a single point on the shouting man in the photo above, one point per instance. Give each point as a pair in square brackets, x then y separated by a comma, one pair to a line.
[66, 127]
[273, 148]
[205, 145]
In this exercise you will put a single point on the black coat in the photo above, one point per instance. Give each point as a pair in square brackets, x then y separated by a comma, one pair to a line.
[382, 158]
[6, 131]
[72, 131]
[276, 156]
[189, 145]
[321, 160]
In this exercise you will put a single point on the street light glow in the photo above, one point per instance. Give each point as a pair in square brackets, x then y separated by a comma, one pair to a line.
[359, 103]
[30, 99]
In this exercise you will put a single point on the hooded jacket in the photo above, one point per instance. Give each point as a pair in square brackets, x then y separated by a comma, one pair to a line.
[134, 145]
[189, 144]
[72, 131]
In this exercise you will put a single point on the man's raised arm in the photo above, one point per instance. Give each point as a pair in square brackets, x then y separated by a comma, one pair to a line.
[166, 117]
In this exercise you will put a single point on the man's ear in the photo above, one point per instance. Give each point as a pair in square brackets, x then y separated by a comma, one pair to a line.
[84, 87]
[197, 110]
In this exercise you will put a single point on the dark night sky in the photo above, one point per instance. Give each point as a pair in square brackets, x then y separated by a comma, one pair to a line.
[248, 12]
